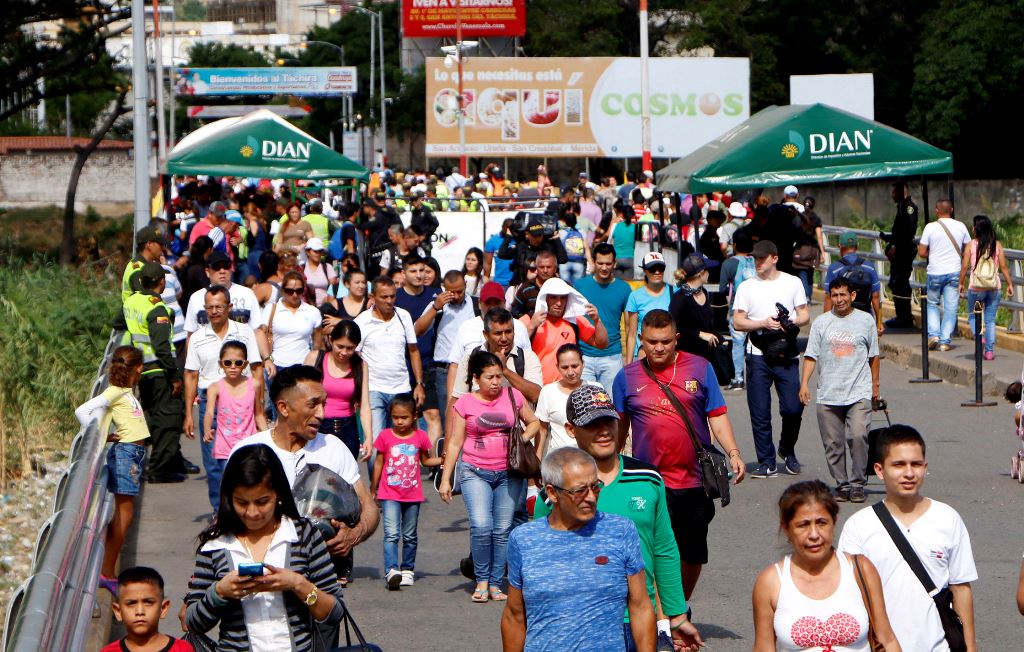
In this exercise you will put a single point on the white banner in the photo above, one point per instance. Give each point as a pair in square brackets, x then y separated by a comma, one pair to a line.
[458, 232]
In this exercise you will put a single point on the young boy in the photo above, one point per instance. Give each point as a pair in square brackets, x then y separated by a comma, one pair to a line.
[937, 535]
[140, 606]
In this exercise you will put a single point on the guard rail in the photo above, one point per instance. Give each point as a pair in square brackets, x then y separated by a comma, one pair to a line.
[52, 610]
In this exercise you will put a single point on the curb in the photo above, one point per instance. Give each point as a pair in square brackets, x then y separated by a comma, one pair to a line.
[957, 372]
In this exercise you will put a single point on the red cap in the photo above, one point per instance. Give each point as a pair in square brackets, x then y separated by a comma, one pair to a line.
[492, 291]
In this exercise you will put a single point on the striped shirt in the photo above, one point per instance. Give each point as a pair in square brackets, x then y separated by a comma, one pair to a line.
[205, 609]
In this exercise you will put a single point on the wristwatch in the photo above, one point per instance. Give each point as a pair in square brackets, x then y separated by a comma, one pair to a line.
[313, 596]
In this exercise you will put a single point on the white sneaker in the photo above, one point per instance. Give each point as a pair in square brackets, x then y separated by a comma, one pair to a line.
[393, 579]
[408, 578]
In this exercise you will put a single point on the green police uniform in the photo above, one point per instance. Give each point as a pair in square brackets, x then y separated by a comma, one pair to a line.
[320, 224]
[130, 281]
[150, 328]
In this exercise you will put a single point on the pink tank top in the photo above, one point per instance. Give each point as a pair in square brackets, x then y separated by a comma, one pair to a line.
[339, 393]
[236, 418]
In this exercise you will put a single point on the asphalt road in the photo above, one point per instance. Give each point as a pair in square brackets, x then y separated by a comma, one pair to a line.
[969, 451]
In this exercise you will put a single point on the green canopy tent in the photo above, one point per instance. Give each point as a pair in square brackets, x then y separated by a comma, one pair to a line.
[262, 145]
[802, 144]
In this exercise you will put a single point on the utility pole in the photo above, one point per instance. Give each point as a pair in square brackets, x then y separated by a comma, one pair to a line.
[645, 107]
[141, 129]
[158, 86]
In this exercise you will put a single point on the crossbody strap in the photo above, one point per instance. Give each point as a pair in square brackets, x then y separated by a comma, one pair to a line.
[674, 400]
[956, 245]
[889, 523]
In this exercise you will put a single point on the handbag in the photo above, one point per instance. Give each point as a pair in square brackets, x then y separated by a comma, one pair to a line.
[806, 256]
[714, 467]
[456, 480]
[873, 641]
[951, 625]
[200, 642]
[521, 455]
[361, 645]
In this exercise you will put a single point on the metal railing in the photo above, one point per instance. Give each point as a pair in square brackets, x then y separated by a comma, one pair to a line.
[52, 610]
[876, 256]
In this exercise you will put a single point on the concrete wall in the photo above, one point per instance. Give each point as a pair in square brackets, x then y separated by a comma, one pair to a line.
[41, 179]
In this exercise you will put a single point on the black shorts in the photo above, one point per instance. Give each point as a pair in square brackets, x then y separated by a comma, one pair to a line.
[690, 511]
[430, 387]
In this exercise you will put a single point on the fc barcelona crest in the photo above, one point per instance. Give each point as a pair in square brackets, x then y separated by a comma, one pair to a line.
[690, 386]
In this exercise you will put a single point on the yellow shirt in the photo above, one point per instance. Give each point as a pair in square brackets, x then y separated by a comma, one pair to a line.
[126, 413]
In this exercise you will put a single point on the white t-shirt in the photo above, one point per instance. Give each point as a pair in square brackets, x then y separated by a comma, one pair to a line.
[203, 354]
[452, 317]
[757, 297]
[244, 308]
[172, 290]
[327, 451]
[551, 410]
[383, 347]
[941, 541]
[942, 257]
[293, 331]
[471, 335]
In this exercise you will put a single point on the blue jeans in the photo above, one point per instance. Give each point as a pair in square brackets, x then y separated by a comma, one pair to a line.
[942, 287]
[807, 278]
[344, 428]
[399, 518]
[380, 418]
[214, 468]
[572, 271]
[989, 299]
[786, 378]
[602, 369]
[739, 351]
[440, 371]
[490, 498]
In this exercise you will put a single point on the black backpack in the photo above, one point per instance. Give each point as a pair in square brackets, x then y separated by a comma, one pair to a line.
[860, 282]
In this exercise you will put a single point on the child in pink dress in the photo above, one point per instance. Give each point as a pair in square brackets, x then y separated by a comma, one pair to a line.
[396, 484]
[233, 400]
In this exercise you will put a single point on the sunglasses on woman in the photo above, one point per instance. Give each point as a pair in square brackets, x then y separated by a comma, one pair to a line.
[293, 290]
[233, 363]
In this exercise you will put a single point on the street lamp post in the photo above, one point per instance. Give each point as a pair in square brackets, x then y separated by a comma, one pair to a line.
[141, 131]
[645, 107]
[375, 15]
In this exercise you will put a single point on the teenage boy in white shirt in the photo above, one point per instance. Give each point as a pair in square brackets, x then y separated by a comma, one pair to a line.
[937, 535]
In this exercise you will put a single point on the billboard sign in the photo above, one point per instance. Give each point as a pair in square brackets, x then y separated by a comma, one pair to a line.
[235, 110]
[306, 81]
[439, 18]
[583, 106]
[853, 92]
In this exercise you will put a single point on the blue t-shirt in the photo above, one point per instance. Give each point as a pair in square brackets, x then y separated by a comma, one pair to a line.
[624, 240]
[642, 302]
[574, 582]
[415, 305]
[502, 267]
[837, 267]
[610, 301]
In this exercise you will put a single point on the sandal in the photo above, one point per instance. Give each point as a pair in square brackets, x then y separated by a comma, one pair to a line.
[497, 595]
[479, 596]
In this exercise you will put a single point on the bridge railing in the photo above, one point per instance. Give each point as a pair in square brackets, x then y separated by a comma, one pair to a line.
[875, 254]
[52, 610]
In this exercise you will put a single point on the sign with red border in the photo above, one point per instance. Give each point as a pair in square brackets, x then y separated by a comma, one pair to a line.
[439, 18]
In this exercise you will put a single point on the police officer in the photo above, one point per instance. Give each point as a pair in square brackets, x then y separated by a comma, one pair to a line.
[376, 219]
[149, 242]
[423, 220]
[520, 249]
[316, 218]
[150, 325]
[900, 250]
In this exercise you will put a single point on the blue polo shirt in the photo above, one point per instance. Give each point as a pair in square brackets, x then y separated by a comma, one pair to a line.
[610, 301]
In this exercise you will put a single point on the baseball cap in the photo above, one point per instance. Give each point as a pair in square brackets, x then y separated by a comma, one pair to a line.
[848, 239]
[148, 234]
[790, 191]
[765, 248]
[737, 210]
[588, 403]
[651, 259]
[217, 257]
[316, 244]
[649, 174]
[483, 175]
[696, 263]
[233, 216]
[535, 226]
[152, 270]
[492, 291]
[584, 175]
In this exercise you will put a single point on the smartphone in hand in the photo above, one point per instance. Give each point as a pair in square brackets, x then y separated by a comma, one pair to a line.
[250, 570]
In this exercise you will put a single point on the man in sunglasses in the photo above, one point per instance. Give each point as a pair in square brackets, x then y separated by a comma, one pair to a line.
[635, 490]
[202, 369]
[245, 307]
[573, 574]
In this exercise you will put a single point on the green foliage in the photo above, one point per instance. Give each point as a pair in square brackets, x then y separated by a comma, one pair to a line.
[217, 55]
[189, 10]
[53, 328]
[555, 28]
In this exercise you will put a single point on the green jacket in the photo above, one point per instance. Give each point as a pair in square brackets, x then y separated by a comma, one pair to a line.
[150, 328]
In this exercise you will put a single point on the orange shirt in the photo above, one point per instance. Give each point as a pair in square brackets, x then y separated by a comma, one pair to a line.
[550, 336]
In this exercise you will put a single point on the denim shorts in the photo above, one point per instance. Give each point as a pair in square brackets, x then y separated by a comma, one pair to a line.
[124, 468]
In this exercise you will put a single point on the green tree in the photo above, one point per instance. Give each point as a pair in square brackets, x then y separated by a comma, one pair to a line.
[189, 10]
[218, 55]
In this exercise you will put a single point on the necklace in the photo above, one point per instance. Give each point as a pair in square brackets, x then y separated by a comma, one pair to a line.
[248, 549]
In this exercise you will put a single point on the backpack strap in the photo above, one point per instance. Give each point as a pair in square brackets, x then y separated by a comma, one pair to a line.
[952, 240]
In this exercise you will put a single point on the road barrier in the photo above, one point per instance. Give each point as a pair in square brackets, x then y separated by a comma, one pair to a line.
[52, 610]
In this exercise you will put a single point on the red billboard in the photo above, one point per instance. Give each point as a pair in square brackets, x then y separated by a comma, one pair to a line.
[439, 18]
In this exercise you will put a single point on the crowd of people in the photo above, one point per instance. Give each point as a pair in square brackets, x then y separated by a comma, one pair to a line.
[305, 341]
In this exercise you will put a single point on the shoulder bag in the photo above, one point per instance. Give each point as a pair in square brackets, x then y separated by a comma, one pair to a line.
[350, 627]
[952, 240]
[714, 467]
[951, 624]
[873, 642]
[522, 455]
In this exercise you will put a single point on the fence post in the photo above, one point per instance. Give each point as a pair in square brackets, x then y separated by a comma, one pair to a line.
[977, 312]
[925, 377]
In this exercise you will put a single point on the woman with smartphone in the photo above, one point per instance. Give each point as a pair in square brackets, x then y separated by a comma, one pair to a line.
[240, 581]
